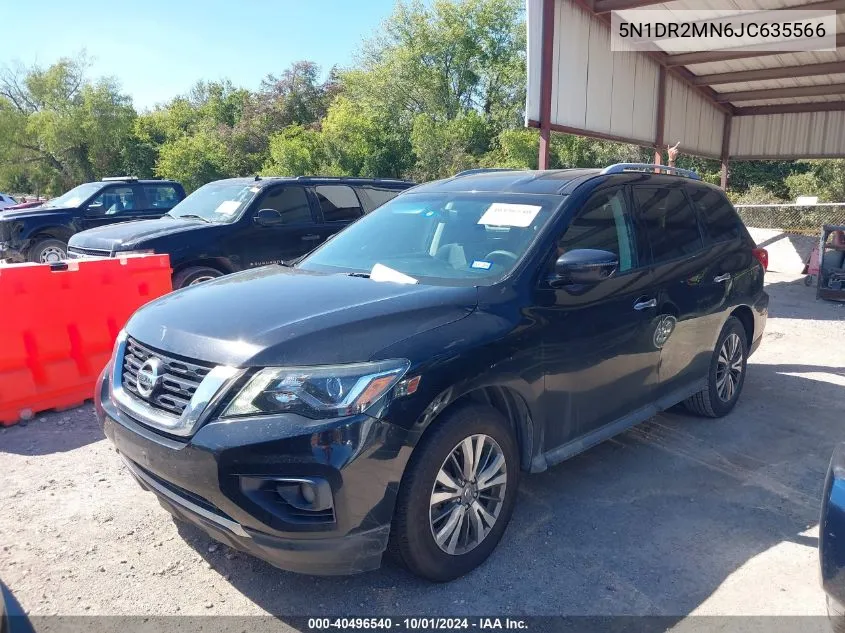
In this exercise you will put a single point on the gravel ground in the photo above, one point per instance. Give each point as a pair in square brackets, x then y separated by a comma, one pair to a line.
[678, 516]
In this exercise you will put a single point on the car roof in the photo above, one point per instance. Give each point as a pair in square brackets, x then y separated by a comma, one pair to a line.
[512, 181]
[265, 181]
[557, 181]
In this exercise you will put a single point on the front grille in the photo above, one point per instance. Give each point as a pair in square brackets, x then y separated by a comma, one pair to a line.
[76, 252]
[179, 382]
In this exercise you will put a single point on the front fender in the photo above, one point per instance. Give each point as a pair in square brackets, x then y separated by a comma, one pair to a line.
[479, 351]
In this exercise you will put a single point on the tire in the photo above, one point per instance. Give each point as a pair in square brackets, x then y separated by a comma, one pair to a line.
[47, 250]
[412, 538]
[835, 615]
[194, 275]
[708, 402]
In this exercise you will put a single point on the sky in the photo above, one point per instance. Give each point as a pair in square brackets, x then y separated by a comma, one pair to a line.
[158, 49]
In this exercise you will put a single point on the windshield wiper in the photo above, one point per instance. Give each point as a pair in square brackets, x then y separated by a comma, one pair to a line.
[364, 275]
[191, 215]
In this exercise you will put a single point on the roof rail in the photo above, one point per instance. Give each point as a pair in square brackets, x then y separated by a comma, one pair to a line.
[120, 179]
[620, 168]
[482, 170]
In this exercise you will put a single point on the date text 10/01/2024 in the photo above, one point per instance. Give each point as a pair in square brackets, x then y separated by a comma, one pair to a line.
[422, 623]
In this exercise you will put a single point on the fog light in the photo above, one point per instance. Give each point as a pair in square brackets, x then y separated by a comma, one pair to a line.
[307, 492]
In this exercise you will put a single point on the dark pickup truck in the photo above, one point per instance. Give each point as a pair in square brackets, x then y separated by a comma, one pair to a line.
[41, 234]
[239, 223]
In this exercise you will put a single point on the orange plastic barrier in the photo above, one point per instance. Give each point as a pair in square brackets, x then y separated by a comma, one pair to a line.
[57, 327]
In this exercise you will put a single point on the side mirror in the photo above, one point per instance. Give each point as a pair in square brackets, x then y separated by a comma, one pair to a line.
[584, 266]
[268, 217]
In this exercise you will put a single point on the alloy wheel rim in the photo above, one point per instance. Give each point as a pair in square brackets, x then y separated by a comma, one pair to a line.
[468, 494]
[729, 368]
[52, 254]
[201, 280]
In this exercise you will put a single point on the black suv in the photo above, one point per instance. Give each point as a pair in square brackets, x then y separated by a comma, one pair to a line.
[41, 234]
[387, 390]
[231, 225]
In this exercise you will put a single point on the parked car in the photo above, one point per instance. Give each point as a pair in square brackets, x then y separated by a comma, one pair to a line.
[832, 539]
[387, 390]
[6, 201]
[41, 234]
[240, 223]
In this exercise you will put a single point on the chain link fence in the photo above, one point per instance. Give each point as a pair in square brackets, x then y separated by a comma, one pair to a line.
[792, 218]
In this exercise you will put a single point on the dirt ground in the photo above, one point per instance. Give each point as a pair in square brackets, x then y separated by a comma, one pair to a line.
[678, 516]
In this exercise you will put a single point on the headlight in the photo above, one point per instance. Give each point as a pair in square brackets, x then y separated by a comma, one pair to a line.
[327, 391]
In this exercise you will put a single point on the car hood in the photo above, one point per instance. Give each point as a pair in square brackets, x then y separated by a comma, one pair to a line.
[132, 233]
[277, 316]
[34, 212]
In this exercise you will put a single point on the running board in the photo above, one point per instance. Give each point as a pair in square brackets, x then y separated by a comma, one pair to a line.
[579, 445]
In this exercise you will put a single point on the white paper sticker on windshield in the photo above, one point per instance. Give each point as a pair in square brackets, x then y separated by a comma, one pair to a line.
[504, 214]
[228, 207]
[380, 272]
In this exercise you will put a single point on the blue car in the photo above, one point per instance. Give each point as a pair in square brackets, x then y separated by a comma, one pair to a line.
[832, 539]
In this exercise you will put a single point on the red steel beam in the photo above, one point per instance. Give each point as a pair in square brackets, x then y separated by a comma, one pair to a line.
[781, 93]
[704, 57]
[760, 74]
[546, 68]
[726, 145]
[606, 6]
[661, 115]
[791, 108]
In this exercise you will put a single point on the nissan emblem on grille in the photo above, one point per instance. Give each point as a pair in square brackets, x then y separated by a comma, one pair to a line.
[149, 377]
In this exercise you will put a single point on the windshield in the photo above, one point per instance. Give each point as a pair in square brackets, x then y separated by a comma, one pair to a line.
[447, 239]
[219, 202]
[75, 196]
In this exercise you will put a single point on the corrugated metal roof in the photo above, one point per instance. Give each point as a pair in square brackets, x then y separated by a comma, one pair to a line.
[614, 94]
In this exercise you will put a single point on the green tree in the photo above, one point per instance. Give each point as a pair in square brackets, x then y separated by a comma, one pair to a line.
[294, 151]
[823, 178]
[194, 160]
[64, 128]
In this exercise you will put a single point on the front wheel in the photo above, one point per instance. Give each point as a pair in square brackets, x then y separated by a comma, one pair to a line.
[457, 494]
[48, 251]
[194, 275]
[726, 375]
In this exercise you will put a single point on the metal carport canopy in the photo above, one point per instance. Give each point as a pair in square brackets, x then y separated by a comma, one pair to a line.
[739, 104]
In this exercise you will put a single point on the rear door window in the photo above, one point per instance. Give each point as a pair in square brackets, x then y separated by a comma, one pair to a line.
[162, 197]
[338, 203]
[290, 202]
[372, 196]
[718, 218]
[670, 224]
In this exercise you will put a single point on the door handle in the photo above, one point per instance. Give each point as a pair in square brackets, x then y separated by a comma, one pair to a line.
[722, 278]
[310, 238]
[642, 305]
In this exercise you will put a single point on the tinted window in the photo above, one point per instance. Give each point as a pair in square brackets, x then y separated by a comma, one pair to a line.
[161, 196]
[720, 221]
[373, 197]
[112, 201]
[603, 224]
[669, 223]
[338, 202]
[291, 202]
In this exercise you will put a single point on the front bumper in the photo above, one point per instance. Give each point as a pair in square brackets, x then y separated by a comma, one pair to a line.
[226, 477]
[832, 528]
